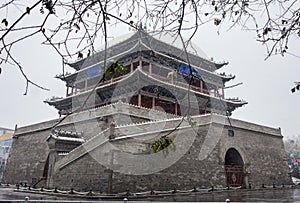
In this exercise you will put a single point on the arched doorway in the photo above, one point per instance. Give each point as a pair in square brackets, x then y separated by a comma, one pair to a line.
[234, 168]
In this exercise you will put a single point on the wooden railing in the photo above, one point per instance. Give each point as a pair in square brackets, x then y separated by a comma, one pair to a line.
[174, 81]
[180, 84]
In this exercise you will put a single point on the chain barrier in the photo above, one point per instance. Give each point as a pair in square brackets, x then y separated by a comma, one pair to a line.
[143, 194]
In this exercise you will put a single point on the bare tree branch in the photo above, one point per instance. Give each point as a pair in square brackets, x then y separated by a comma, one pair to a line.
[78, 24]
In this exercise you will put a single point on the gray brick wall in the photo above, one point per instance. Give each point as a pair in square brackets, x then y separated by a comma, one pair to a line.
[260, 147]
[200, 164]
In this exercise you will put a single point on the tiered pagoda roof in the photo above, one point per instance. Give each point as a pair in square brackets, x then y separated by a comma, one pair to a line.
[131, 83]
[149, 61]
[142, 41]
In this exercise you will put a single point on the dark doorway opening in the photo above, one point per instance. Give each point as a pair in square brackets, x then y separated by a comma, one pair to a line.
[234, 168]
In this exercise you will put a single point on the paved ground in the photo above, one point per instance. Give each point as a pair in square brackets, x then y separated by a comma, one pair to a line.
[278, 195]
[270, 195]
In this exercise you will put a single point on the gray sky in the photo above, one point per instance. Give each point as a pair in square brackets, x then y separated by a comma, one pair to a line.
[266, 84]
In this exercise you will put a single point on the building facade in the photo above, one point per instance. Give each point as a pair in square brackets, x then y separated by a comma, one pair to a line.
[145, 91]
[5, 130]
[5, 145]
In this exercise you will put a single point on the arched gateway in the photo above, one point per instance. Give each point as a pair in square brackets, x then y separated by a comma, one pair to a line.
[234, 168]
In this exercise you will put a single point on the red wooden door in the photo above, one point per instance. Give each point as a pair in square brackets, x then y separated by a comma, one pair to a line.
[235, 175]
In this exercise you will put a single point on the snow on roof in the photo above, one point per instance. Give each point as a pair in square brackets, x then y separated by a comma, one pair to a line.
[165, 37]
[72, 139]
[116, 40]
[175, 41]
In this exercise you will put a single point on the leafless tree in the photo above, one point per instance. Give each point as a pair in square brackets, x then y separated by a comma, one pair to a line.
[73, 27]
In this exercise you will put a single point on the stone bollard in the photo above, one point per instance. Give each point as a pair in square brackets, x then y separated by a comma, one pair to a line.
[128, 193]
[227, 200]
[90, 193]
[125, 200]
[26, 199]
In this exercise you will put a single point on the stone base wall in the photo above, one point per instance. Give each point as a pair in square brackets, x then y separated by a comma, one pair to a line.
[201, 165]
[128, 163]
[88, 173]
[29, 152]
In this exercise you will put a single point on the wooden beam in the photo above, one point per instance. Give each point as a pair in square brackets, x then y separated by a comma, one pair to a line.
[145, 93]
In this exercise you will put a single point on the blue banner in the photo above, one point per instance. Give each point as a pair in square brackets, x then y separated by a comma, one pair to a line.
[94, 71]
[185, 70]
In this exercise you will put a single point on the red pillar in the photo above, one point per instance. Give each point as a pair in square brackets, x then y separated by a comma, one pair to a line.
[153, 102]
[150, 68]
[201, 86]
[139, 99]
[141, 63]
[223, 93]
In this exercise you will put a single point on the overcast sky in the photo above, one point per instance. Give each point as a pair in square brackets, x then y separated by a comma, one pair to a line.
[266, 84]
